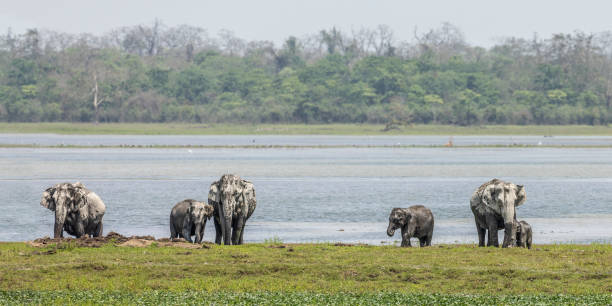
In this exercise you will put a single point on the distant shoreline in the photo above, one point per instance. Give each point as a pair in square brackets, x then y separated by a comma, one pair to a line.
[63, 128]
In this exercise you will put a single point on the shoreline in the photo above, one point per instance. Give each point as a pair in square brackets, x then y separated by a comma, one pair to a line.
[64, 128]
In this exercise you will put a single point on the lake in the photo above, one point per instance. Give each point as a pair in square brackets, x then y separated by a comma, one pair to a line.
[317, 194]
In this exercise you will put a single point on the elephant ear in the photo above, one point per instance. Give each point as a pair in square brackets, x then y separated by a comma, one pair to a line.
[521, 195]
[47, 199]
[214, 196]
[188, 213]
[209, 210]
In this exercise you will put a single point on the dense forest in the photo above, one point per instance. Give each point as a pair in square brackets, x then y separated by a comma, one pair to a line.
[159, 73]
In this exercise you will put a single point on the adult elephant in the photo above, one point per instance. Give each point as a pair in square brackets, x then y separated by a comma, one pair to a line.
[234, 202]
[494, 207]
[78, 211]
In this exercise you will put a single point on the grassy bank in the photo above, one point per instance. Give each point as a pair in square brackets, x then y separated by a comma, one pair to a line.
[308, 273]
[297, 129]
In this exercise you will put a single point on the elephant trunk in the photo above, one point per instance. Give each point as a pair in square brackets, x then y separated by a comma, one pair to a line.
[227, 230]
[390, 230]
[509, 235]
[227, 207]
[198, 233]
[60, 218]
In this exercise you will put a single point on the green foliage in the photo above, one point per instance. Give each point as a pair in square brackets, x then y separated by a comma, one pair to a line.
[334, 79]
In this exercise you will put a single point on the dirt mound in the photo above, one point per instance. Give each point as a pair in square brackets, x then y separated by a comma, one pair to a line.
[116, 239]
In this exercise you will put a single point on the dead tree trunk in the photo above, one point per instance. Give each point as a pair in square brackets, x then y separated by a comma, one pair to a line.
[96, 101]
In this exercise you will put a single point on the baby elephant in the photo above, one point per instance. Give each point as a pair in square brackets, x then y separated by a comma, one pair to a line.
[414, 221]
[523, 235]
[188, 218]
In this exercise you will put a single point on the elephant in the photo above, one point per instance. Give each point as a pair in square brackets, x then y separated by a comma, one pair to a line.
[188, 218]
[78, 211]
[494, 207]
[523, 234]
[234, 201]
[414, 221]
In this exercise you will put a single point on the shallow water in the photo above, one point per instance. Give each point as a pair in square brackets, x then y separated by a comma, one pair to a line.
[317, 194]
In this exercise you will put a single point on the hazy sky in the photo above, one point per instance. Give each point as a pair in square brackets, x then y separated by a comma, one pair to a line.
[482, 21]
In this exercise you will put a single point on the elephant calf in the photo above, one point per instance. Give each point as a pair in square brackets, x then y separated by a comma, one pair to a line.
[414, 221]
[523, 235]
[188, 218]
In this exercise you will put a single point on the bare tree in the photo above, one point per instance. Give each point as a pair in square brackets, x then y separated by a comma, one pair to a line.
[96, 99]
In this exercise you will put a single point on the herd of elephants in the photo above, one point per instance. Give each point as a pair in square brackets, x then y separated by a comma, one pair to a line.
[231, 202]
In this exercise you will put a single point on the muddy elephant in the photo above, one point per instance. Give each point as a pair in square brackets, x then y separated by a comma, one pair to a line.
[234, 201]
[523, 234]
[188, 218]
[415, 221]
[494, 207]
[78, 211]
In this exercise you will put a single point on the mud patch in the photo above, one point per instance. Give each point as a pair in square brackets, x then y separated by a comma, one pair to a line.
[114, 239]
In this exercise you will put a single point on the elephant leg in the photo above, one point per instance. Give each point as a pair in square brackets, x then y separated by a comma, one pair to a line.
[405, 237]
[218, 231]
[241, 233]
[428, 239]
[202, 230]
[481, 235]
[98, 231]
[528, 243]
[422, 241]
[236, 229]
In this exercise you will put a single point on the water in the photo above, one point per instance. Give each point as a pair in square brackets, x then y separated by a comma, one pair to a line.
[297, 140]
[313, 195]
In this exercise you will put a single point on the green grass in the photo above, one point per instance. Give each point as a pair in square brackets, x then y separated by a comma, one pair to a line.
[319, 268]
[296, 129]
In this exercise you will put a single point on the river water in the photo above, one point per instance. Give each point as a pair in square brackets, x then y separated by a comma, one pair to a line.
[317, 194]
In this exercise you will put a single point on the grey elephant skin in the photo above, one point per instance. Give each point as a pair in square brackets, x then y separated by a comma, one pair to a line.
[415, 221]
[524, 235]
[234, 201]
[494, 207]
[78, 211]
[188, 218]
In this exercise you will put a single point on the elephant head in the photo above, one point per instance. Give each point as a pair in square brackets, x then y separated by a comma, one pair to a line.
[398, 219]
[65, 199]
[197, 214]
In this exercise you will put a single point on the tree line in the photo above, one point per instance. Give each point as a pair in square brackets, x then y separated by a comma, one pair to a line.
[158, 73]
